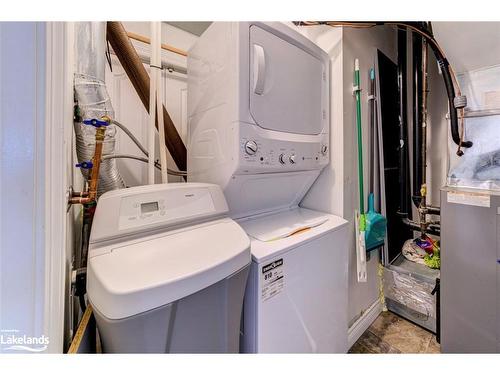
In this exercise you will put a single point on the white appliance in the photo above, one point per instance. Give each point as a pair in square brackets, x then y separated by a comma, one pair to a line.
[258, 100]
[296, 297]
[167, 270]
[258, 112]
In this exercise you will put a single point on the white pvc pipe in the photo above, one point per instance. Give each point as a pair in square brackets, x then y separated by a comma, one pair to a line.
[159, 99]
[152, 104]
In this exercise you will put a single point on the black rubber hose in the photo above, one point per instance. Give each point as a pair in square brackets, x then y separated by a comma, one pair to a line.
[445, 69]
[450, 89]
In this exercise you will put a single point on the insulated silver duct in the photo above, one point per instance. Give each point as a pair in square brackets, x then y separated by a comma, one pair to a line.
[93, 102]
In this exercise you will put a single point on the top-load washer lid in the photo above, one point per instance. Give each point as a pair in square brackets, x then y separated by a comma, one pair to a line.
[140, 275]
[284, 224]
[277, 233]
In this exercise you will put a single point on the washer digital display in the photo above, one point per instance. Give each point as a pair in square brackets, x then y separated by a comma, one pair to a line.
[149, 207]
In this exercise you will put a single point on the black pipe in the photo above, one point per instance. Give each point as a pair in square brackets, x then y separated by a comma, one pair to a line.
[417, 117]
[432, 229]
[433, 210]
[404, 180]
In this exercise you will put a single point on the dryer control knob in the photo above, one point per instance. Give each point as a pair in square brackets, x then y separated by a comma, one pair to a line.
[324, 149]
[292, 159]
[251, 147]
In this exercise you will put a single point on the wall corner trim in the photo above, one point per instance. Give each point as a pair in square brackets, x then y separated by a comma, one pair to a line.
[363, 322]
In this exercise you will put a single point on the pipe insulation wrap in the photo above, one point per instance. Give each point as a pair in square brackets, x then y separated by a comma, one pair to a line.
[92, 101]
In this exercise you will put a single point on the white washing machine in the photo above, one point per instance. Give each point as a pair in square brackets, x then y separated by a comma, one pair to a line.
[258, 112]
[296, 296]
[167, 270]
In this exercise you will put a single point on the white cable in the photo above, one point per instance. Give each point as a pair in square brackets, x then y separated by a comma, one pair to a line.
[152, 105]
[159, 105]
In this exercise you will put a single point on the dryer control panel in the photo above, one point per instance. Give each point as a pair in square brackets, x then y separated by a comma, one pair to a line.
[262, 153]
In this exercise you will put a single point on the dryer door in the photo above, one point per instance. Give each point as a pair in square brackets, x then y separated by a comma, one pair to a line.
[288, 85]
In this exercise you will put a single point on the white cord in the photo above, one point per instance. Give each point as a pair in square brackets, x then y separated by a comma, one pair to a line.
[152, 105]
[159, 98]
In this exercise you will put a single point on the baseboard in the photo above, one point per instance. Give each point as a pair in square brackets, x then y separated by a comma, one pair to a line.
[364, 321]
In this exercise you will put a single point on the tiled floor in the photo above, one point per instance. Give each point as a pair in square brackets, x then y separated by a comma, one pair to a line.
[390, 333]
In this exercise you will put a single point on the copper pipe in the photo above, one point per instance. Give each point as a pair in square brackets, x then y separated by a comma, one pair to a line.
[90, 195]
[96, 161]
[76, 200]
[80, 194]
[167, 47]
[129, 59]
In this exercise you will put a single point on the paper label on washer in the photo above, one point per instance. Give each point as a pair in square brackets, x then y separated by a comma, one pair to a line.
[471, 199]
[272, 279]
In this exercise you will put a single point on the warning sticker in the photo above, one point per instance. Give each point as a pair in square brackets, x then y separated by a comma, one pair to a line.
[272, 279]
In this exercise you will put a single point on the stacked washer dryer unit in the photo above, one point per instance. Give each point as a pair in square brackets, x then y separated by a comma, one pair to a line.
[258, 112]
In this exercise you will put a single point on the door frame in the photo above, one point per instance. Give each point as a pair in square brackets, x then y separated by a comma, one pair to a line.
[58, 151]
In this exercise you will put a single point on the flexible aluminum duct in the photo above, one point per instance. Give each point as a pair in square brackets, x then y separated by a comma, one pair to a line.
[93, 101]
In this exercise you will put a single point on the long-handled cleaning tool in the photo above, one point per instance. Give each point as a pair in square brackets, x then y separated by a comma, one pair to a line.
[370, 227]
[376, 224]
[359, 217]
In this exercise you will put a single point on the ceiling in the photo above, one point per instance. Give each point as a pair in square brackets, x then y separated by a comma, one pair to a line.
[469, 45]
[196, 28]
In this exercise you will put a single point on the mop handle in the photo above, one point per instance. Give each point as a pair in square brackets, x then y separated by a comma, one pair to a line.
[357, 91]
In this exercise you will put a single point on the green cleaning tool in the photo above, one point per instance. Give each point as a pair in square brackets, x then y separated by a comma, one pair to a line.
[359, 216]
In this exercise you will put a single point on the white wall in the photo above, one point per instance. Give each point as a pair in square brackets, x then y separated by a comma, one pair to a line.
[336, 190]
[22, 65]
